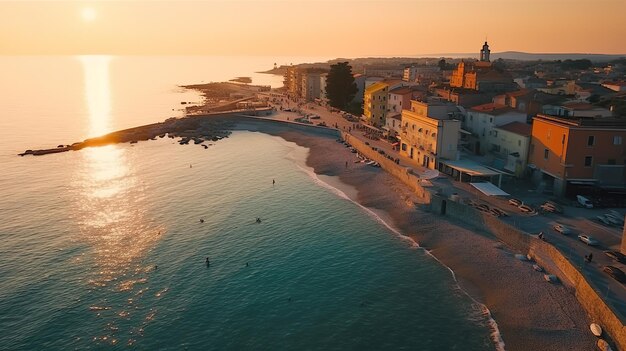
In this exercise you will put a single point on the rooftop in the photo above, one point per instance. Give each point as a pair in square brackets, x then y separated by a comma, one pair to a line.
[609, 123]
[376, 86]
[401, 90]
[492, 109]
[517, 128]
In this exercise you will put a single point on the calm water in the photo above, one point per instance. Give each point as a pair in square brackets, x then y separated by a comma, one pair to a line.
[83, 233]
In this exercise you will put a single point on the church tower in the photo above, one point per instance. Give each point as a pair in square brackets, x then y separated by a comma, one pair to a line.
[484, 53]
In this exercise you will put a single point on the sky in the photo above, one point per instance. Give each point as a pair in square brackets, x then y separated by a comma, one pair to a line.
[341, 28]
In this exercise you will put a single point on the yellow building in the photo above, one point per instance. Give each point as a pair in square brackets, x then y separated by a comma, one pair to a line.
[429, 134]
[375, 104]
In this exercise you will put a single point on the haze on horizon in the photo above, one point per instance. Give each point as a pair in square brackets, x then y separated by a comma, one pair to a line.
[338, 28]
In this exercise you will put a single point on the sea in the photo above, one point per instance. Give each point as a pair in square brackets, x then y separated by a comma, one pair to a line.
[156, 246]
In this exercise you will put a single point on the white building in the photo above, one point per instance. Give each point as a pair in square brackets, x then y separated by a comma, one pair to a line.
[482, 119]
[509, 144]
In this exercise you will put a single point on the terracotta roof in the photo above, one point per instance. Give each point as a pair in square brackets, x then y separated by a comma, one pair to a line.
[517, 128]
[492, 109]
[401, 90]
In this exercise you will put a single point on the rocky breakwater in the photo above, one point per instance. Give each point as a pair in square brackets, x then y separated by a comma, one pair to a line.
[196, 129]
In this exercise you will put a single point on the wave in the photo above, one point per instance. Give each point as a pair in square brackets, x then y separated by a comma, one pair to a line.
[496, 336]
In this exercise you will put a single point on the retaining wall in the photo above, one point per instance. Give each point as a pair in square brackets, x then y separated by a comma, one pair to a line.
[402, 173]
[546, 255]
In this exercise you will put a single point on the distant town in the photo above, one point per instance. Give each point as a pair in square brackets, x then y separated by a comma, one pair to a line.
[560, 123]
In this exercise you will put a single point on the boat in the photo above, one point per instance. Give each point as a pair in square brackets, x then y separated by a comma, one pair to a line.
[603, 345]
[595, 329]
[521, 257]
[537, 268]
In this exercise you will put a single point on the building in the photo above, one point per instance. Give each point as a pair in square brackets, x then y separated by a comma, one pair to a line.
[569, 155]
[481, 121]
[323, 96]
[421, 74]
[293, 81]
[375, 101]
[399, 99]
[509, 144]
[393, 125]
[430, 133]
[311, 86]
[576, 109]
[481, 75]
[375, 104]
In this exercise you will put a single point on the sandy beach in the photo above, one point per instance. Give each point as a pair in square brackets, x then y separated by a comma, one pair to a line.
[530, 313]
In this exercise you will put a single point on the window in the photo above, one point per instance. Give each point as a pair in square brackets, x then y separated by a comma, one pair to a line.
[403, 147]
[611, 161]
[471, 118]
[490, 119]
[546, 152]
[617, 140]
[519, 143]
[588, 161]
[591, 140]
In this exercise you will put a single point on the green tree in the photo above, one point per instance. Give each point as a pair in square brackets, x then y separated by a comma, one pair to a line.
[340, 85]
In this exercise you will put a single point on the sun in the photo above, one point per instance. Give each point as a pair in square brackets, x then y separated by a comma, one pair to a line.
[88, 14]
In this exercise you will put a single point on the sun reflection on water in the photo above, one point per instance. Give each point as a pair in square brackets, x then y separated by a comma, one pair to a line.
[110, 196]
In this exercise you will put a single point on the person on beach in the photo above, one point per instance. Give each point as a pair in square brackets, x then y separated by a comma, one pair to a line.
[346, 164]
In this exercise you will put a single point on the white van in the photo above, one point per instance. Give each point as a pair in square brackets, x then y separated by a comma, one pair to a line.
[584, 201]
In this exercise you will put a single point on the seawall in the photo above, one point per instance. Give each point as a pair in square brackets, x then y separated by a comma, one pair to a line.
[402, 173]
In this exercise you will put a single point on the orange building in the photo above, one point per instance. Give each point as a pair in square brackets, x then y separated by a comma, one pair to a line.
[571, 155]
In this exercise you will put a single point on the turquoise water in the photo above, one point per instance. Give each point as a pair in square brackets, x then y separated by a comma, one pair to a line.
[104, 249]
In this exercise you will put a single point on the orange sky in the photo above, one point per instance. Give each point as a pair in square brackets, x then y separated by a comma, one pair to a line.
[346, 28]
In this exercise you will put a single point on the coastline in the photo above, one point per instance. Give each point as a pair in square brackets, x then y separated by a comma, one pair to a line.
[530, 313]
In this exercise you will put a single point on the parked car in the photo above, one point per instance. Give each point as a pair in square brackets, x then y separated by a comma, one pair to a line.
[562, 229]
[585, 202]
[551, 207]
[616, 256]
[615, 273]
[483, 207]
[526, 208]
[515, 202]
[588, 239]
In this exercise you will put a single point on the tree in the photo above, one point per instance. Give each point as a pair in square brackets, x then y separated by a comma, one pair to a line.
[340, 85]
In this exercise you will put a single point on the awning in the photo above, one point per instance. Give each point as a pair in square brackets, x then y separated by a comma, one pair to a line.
[489, 189]
[471, 168]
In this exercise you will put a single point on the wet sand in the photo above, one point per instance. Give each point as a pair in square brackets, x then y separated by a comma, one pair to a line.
[531, 314]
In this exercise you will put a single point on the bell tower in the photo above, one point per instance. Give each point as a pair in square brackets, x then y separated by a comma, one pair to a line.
[484, 53]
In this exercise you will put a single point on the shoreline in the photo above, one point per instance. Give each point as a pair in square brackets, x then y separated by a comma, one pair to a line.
[530, 313]
[343, 190]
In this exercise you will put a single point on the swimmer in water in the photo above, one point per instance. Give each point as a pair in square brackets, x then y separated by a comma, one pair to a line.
[208, 263]
[258, 220]
[201, 220]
